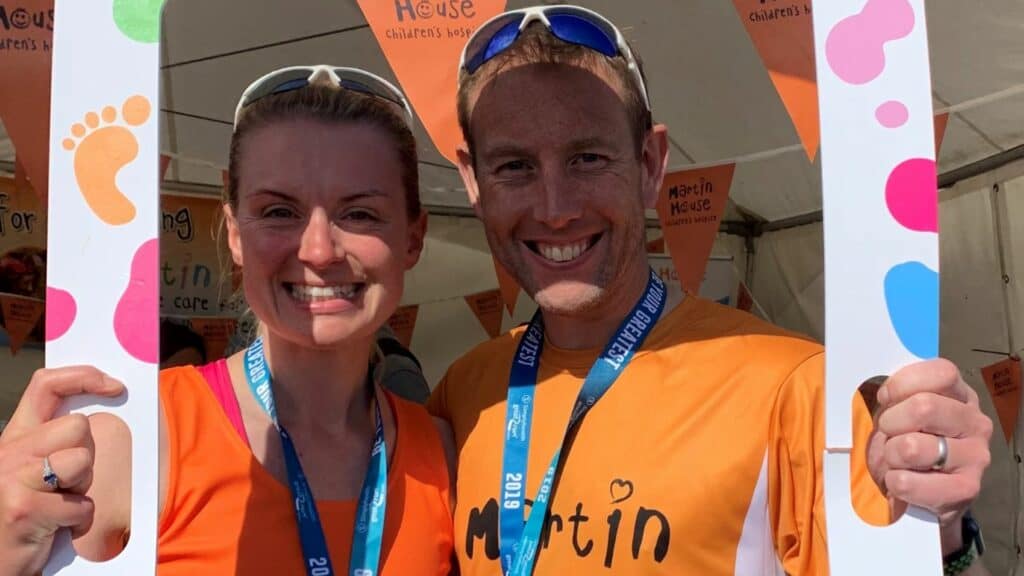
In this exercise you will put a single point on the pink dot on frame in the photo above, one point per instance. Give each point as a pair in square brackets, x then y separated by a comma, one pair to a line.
[892, 114]
[912, 195]
[61, 310]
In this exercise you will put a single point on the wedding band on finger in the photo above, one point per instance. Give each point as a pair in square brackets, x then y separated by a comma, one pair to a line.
[49, 476]
[940, 461]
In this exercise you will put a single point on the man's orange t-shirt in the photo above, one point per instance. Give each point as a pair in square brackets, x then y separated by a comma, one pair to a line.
[703, 458]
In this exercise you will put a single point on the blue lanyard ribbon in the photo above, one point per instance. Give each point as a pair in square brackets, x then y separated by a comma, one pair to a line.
[368, 535]
[519, 542]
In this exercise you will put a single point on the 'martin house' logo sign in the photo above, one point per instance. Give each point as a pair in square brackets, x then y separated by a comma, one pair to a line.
[427, 9]
[15, 18]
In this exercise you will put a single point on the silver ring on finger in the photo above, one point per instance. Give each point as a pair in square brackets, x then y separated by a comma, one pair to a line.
[49, 476]
[940, 460]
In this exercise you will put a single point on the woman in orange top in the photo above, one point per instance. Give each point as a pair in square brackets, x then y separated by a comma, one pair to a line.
[286, 458]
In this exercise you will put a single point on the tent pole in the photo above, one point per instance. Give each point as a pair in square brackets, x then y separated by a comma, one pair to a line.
[998, 204]
[751, 249]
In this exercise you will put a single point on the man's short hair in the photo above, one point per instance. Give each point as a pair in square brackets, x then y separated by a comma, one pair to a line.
[536, 45]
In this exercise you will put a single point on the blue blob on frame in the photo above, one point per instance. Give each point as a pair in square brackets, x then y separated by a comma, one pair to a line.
[912, 297]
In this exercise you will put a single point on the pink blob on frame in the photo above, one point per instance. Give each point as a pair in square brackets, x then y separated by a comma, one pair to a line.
[912, 195]
[855, 47]
[136, 319]
[61, 311]
[892, 114]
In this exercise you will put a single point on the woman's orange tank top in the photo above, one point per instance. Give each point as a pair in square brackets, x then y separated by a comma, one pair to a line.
[225, 514]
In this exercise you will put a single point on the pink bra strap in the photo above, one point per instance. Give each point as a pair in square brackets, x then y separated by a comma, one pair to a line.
[216, 375]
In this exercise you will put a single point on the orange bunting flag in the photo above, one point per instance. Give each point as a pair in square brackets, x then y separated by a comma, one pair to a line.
[216, 333]
[411, 32]
[25, 92]
[508, 286]
[20, 317]
[1003, 381]
[690, 209]
[403, 322]
[784, 37]
[486, 307]
[940, 131]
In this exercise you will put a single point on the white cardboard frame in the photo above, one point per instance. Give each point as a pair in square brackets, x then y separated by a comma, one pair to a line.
[864, 244]
[96, 65]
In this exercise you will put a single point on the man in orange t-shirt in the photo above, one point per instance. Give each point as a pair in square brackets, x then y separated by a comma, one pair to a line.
[690, 464]
[611, 435]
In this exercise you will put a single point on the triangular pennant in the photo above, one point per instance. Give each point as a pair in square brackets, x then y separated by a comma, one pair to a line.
[1003, 381]
[25, 92]
[940, 131]
[216, 333]
[403, 323]
[411, 32]
[784, 37]
[165, 162]
[690, 208]
[486, 306]
[20, 317]
[508, 286]
[656, 246]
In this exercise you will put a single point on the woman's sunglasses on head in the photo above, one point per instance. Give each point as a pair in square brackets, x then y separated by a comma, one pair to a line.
[296, 77]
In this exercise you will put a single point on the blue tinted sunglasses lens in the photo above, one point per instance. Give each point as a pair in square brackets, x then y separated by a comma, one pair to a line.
[495, 44]
[357, 86]
[579, 30]
[290, 85]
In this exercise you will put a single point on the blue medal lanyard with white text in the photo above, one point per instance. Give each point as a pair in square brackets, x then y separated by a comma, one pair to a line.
[519, 541]
[369, 526]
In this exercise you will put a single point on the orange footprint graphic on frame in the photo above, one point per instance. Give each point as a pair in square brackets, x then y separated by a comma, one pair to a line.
[101, 153]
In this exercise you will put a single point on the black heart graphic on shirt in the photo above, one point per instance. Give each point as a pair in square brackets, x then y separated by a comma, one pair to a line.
[620, 490]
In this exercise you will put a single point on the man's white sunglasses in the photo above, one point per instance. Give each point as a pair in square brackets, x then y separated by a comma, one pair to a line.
[571, 24]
